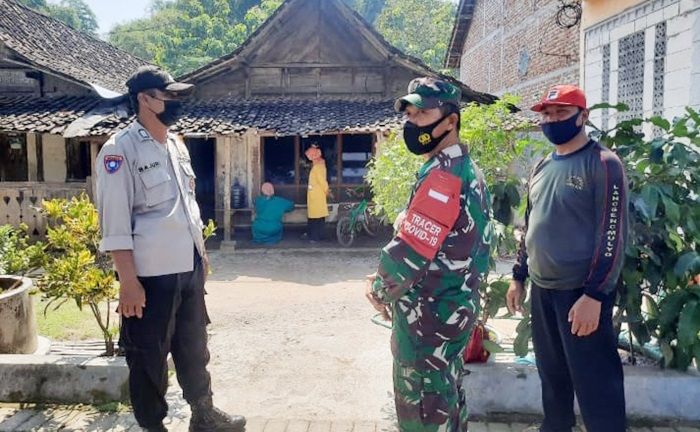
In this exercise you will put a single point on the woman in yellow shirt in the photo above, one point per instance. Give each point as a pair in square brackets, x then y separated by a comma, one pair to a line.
[316, 196]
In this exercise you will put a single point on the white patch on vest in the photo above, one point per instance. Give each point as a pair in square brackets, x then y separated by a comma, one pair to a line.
[438, 196]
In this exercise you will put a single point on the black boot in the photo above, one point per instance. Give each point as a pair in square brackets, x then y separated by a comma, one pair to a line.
[158, 428]
[207, 418]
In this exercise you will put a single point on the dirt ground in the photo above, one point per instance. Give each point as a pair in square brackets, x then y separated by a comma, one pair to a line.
[292, 337]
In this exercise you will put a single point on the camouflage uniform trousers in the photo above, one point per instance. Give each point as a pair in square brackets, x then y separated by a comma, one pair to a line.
[428, 392]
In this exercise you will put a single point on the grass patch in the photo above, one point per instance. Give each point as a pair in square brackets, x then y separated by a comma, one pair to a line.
[68, 322]
[112, 407]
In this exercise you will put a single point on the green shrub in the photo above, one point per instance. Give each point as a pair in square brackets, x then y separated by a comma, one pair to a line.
[74, 268]
[18, 255]
[657, 301]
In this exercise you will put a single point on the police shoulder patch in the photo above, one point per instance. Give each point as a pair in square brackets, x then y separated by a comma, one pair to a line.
[113, 163]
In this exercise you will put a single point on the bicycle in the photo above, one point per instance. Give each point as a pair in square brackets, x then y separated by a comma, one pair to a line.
[360, 218]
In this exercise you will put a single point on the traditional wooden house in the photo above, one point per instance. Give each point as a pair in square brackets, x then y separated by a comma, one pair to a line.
[314, 72]
[50, 75]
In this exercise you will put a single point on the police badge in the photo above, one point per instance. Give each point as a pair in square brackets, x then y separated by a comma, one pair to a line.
[113, 163]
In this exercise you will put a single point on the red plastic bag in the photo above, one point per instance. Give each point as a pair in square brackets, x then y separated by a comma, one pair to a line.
[475, 351]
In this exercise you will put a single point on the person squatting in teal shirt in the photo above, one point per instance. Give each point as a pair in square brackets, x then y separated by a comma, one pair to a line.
[269, 211]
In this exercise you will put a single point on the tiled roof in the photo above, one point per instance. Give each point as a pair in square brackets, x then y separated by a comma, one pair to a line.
[49, 44]
[211, 117]
[49, 115]
[281, 116]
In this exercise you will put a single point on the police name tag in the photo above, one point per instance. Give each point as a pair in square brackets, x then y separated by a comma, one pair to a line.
[149, 166]
[113, 163]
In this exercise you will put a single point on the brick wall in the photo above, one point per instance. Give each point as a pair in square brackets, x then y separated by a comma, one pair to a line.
[515, 46]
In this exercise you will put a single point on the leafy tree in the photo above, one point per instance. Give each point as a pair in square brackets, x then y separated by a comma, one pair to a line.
[34, 4]
[369, 9]
[239, 8]
[420, 28]
[74, 13]
[183, 35]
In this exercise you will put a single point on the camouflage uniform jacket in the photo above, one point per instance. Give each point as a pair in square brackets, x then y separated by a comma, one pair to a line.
[435, 301]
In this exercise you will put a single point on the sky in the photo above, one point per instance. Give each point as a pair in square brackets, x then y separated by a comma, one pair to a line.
[111, 12]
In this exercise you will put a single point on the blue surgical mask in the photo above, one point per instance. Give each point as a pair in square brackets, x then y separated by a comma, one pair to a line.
[562, 132]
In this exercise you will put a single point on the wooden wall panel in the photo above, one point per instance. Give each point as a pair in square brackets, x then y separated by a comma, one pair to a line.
[266, 81]
[232, 83]
[303, 80]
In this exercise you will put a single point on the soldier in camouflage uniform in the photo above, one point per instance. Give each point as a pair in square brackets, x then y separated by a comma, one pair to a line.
[429, 274]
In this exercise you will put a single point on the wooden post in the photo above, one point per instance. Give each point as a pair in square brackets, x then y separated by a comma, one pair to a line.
[227, 188]
[93, 178]
[339, 168]
[297, 168]
[32, 164]
[39, 157]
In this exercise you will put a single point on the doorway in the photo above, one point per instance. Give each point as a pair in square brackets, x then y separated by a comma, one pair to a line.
[203, 155]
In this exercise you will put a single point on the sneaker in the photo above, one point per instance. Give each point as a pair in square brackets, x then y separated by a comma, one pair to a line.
[208, 418]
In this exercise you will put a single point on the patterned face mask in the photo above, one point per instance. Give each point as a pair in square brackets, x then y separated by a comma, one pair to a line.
[419, 139]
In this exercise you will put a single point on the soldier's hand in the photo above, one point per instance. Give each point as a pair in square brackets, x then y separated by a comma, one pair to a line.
[374, 301]
[399, 221]
[584, 316]
[515, 296]
[132, 298]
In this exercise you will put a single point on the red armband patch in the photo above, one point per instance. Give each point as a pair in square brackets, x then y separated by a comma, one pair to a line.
[432, 213]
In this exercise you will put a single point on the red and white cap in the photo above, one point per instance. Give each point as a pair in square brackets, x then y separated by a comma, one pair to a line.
[562, 95]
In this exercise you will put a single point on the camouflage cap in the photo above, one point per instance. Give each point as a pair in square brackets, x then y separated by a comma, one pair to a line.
[428, 93]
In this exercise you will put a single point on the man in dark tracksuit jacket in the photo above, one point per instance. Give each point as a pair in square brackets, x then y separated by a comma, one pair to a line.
[573, 251]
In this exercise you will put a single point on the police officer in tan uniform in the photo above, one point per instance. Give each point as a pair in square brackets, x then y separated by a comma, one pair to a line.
[151, 225]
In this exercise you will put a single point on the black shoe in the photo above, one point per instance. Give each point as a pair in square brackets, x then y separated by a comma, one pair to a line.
[207, 418]
[159, 428]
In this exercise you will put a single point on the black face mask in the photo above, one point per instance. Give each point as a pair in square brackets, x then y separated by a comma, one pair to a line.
[563, 131]
[419, 139]
[171, 113]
